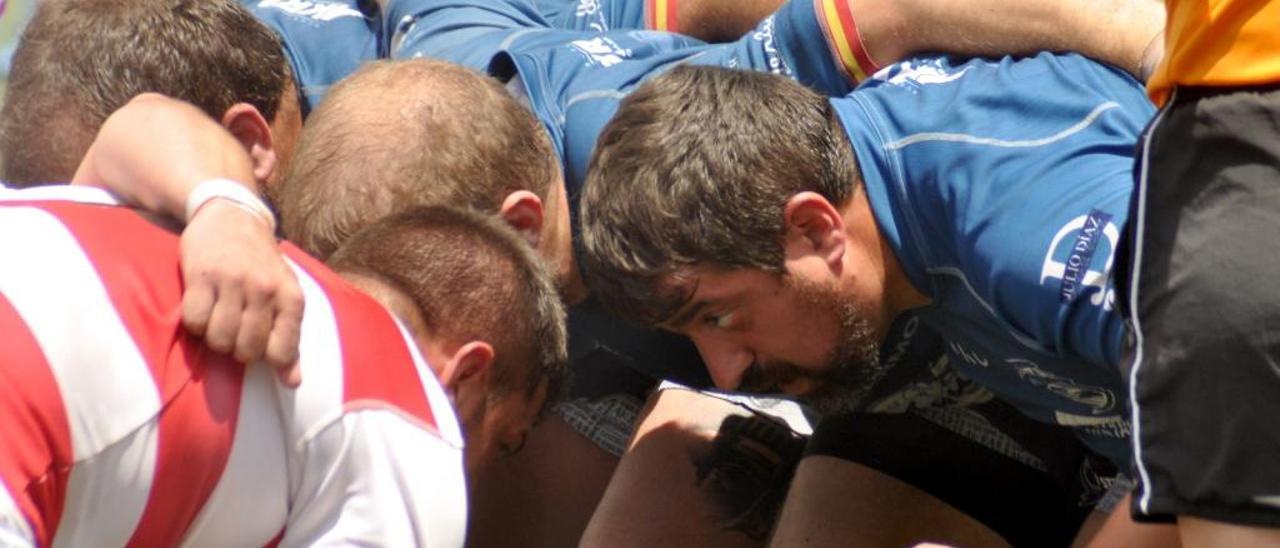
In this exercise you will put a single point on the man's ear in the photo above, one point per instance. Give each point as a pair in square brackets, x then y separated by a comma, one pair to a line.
[814, 228]
[468, 368]
[523, 211]
[252, 130]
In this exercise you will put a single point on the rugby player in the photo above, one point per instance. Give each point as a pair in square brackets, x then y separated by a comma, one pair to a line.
[984, 196]
[122, 428]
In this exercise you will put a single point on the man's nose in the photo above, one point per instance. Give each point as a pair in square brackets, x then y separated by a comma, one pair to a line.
[725, 360]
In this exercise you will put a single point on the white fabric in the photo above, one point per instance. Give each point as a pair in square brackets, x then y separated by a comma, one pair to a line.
[14, 530]
[786, 410]
[372, 478]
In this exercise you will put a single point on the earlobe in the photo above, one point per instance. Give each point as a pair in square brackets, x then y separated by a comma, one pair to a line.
[523, 210]
[248, 126]
[814, 227]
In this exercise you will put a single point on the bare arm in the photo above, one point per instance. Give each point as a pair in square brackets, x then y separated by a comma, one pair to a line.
[1114, 31]
[155, 150]
[721, 20]
[239, 294]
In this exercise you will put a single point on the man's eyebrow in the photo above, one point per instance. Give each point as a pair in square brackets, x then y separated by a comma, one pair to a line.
[684, 315]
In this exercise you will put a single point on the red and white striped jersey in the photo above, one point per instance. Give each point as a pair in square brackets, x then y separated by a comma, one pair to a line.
[119, 428]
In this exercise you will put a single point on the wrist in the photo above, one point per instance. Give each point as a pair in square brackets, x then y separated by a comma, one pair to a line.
[231, 193]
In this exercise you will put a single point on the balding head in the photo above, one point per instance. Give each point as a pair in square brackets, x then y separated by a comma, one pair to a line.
[401, 134]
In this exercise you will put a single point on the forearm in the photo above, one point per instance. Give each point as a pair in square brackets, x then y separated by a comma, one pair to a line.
[155, 150]
[1113, 31]
[721, 20]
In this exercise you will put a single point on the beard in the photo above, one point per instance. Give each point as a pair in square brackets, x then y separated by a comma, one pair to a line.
[852, 368]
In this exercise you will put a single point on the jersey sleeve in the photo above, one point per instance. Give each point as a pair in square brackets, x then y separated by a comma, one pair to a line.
[794, 42]
[376, 477]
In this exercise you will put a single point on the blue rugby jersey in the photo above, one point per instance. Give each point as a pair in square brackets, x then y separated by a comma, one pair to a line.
[325, 40]
[1003, 186]
[574, 81]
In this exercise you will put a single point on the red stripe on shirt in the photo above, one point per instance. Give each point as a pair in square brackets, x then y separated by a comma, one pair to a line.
[199, 390]
[376, 362]
[37, 459]
[196, 432]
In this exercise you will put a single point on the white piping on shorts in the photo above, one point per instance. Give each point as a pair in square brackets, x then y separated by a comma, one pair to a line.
[1136, 273]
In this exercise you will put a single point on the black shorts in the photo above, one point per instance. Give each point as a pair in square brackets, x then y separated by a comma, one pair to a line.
[1030, 482]
[1203, 300]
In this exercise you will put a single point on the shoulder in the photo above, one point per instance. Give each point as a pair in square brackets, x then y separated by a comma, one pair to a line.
[356, 355]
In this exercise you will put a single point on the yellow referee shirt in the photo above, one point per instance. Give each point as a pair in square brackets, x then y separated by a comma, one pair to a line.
[1218, 43]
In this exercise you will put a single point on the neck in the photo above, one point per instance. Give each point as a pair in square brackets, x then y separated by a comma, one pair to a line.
[899, 293]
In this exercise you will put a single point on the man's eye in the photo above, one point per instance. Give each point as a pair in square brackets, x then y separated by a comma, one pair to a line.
[720, 321]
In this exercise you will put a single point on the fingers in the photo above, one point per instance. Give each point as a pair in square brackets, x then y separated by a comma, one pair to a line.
[224, 322]
[256, 320]
[290, 376]
[197, 307]
[241, 296]
[286, 332]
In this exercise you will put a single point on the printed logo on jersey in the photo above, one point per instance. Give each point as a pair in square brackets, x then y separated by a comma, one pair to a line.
[968, 356]
[919, 72]
[1095, 486]
[320, 11]
[1074, 263]
[591, 8]
[773, 60]
[944, 387]
[1098, 400]
[587, 7]
[601, 51]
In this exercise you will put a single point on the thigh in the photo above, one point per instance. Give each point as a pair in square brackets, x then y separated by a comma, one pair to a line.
[836, 502]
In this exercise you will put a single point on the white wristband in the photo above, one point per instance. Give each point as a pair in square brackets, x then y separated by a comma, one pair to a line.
[233, 192]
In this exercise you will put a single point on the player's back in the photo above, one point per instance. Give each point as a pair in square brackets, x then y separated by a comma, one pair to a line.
[121, 428]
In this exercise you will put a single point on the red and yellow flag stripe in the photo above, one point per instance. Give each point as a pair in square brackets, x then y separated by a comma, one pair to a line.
[843, 38]
[660, 15]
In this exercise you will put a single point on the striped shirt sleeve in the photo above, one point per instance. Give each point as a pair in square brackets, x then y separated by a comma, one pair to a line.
[841, 32]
